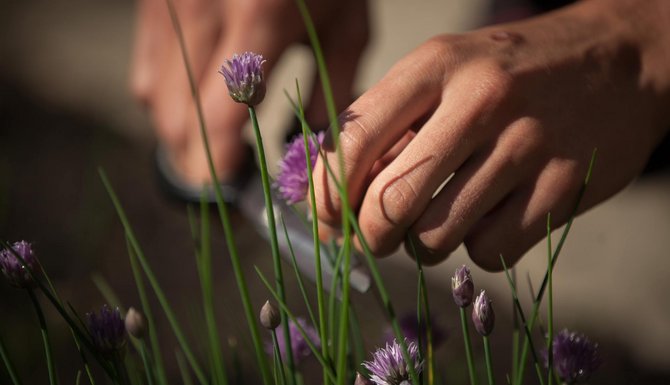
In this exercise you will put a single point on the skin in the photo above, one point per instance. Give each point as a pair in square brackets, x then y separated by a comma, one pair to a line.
[214, 30]
[513, 112]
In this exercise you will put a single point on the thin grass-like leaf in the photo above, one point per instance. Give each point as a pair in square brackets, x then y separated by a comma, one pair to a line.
[526, 328]
[8, 365]
[183, 368]
[556, 253]
[153, 282]
[158, 364]
[51, 366]
[298, 275]
[320, 298]
[550, 307]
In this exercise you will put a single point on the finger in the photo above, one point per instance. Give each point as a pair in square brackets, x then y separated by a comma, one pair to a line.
[474, 190]
[521, 221]
[403, 191]
[171, 101]
[149, 46]
[373, 124]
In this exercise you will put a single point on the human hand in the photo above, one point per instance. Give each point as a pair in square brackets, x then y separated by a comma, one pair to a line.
[213, 31]
[514, 113]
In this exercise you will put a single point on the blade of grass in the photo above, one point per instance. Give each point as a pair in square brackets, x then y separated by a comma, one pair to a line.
[158, 364]
[423, 306]
[320, 299]
[523, 321]
[204, 262]
[51, 366]
[153, 282]
[298, 275]
[559, 247]
[550, 308]
[8, 364]
[183, 368]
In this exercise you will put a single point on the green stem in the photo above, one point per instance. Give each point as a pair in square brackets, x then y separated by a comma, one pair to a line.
[153, 281]
[277, 352]
[53, 378]
[540, 294]
[550, 308]
[8, 364]
[148, 313]
[120, 368]
[222, 208]
[468, 347]
[148, 370]
[489, 361]
[274, 244]
[204, 261]
[320, 298]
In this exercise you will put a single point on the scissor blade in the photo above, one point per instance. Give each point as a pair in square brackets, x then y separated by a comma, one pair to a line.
[252, 204]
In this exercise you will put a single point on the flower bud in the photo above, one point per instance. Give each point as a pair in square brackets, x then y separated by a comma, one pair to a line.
[15, 270]
[135, 323]
[270, 317]
[482, 314]
[107, 330]
[462, 287]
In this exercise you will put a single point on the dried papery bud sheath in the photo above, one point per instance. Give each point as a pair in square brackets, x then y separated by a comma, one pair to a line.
[293, 180]
[362, 380]
[388, 365]
[483, 316]
[575, 357]
[244, 78]
[15, 271]
[107, 330]
[462, 287]
[270, 317]
[135, 323]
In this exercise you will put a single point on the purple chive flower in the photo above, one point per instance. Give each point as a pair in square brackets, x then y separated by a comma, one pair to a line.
[462, 287]
[244, 78]
[299, 346]
[14, 270]
[482, 314]
[575, 358]
[388, 366]
[107, 329]
[292, 181]
[412, 330]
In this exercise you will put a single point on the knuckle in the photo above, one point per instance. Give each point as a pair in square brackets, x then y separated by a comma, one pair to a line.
[494, 82]
[396, 199]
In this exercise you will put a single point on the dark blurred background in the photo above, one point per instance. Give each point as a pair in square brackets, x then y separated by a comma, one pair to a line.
[65, 111]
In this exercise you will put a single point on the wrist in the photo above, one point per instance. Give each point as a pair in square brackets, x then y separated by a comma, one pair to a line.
[642, 26]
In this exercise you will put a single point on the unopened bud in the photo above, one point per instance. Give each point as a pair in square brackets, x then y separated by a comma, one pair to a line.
[462, 287]
[135, 323]
[482, 314]
[270, 317]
